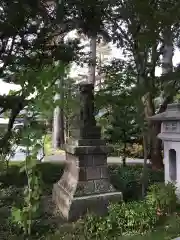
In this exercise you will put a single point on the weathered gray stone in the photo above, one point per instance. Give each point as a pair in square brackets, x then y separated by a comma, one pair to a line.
[100, 160]
[103, 149]
[93, 173]
[87, 117]
[82, 174]
[87, 132]
[85, 188]
[97, 204]
[64, 189]
[86, 161]
[103, 186]
[104, 172]
[86, 142]
[86, 168]
[98, 186]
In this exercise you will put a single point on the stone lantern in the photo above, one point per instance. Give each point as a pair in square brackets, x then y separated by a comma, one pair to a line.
[170, 135]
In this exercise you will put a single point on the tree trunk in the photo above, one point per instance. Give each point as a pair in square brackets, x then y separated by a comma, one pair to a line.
[58, 128]
[124, 155]
[58, 121]
[100, 74]
[156, 147]
[144, 179]
[152, 142]
[151, 139]
[167, 66]
[92, 64]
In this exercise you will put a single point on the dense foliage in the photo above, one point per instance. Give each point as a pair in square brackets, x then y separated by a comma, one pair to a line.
[14, 182]
[133, 217]
[34, 42]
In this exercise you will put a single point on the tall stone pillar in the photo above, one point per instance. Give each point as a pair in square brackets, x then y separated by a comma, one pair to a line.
[85, 186]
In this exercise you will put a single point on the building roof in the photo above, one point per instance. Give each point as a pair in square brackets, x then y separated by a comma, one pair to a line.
[172, 113]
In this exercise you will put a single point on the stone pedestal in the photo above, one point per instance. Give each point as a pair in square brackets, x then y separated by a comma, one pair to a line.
[93, 192]
[85, 186]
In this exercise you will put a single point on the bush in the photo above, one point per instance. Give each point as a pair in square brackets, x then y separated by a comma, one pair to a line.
[136, 217]
[155, 176]
[172, 226]
[169, 230]
[122, 219]
[13, 177]
[10, 195]
[128, 180]
[134, 150]
[133, 217]
[50, 172]
[162, 197]
[95, 227]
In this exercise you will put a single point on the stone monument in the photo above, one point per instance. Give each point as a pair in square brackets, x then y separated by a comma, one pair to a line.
[85, 186]
[170, 135]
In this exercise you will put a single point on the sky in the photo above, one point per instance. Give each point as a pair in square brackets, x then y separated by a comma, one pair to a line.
[115, 53]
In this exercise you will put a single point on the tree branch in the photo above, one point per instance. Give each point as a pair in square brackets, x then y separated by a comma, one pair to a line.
[15, 110]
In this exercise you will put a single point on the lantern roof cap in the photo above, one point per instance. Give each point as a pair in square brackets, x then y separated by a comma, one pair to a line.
[172, 113]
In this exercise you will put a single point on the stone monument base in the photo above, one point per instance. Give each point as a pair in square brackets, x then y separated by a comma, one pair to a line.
[85, 185]
[94, 203]
[97, 204]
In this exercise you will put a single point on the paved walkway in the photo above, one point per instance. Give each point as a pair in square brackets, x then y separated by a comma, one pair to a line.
[110, 160]
[20, 156]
